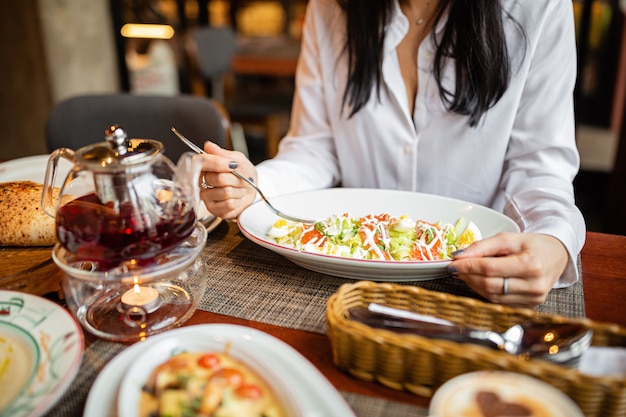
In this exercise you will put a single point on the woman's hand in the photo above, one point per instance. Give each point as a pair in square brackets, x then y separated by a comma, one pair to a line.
[224, 194]
[512, 268]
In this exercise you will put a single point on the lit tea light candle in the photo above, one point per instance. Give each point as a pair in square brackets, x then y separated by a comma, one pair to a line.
[140, 296]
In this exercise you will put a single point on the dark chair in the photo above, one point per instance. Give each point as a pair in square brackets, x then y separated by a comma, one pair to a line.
[82, 120]
[249, 101]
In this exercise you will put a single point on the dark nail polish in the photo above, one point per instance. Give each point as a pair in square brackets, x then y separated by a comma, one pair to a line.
[457, 252]
[453, 271]
[233, 165]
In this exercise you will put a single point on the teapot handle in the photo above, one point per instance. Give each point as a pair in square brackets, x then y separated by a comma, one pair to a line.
[48, 202]
[188, 177]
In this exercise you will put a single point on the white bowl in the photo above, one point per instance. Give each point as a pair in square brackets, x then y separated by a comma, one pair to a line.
[257, 220]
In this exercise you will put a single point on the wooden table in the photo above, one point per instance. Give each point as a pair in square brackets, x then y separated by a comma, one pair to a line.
[604, 279]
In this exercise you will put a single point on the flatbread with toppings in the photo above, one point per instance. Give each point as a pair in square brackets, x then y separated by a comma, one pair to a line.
[22, 219]
[207, 384]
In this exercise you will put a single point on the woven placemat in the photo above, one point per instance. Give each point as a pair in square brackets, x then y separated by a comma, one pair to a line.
[251, 282]
[72, 403]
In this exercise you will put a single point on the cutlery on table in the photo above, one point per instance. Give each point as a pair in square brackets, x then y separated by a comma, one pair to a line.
[197, 149]
[561, 343]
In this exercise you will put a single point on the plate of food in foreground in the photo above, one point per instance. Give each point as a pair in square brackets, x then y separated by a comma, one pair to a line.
[380, 235]
[234, 368]
[41, 348]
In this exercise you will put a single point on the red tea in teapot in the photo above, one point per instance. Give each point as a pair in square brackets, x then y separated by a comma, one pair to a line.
[97, 232]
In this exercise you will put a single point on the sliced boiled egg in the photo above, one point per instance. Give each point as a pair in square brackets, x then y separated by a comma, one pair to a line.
[281, 228]
[470, 235]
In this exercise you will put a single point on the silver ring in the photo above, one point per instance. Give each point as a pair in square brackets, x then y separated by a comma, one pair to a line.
[205, 185]
[505, 286]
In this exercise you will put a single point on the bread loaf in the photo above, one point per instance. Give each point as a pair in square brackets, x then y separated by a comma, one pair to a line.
[22, 219]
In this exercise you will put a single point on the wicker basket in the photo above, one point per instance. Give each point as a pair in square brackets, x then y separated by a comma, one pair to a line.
[421, 365]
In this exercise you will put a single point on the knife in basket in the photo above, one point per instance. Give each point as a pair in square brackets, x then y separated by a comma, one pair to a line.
[528, 339]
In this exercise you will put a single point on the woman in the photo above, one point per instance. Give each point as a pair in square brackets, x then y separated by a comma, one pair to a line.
[467, 99]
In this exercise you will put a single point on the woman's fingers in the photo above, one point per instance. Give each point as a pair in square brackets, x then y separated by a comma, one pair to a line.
[227, 208]
[498, 245]
[512, 268]
[214, 149]
[218, 160]
[223, 193]
[520, 291]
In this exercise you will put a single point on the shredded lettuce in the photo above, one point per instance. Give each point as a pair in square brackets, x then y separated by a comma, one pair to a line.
[377, 237]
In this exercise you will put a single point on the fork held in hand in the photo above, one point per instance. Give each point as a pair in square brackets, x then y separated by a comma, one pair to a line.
[187, 142]
[197, 149]
[271, 207]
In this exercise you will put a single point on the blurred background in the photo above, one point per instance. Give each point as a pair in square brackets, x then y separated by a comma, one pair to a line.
[56, 49]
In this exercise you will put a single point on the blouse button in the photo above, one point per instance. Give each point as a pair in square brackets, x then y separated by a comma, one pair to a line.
[408, 150]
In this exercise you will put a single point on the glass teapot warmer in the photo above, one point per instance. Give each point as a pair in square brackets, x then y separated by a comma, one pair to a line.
[128, 303]
[129, 243]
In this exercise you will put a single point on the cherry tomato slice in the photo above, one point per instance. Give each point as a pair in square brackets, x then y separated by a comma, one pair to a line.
[208, 361]
[230, 376]
[249, 391]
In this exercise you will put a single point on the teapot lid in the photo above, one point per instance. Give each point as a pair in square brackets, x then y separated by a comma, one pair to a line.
[119, 150]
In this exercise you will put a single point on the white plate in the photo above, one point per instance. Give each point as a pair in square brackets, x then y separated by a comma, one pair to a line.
[59, 347]
[33, 168]
[257, 219]
[457, 396]
[311, 393]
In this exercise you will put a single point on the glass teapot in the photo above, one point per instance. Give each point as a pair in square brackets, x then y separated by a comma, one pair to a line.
[123, 201]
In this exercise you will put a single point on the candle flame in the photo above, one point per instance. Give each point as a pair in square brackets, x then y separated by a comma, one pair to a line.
[139, 296]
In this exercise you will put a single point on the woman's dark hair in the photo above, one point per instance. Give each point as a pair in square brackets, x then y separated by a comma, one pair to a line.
[473, 37]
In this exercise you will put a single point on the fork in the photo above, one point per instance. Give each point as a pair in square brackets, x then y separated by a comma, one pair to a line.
[279, 213]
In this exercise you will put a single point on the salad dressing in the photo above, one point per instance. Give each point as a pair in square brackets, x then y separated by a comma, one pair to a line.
[377, 237]
[373, 233]
[430, 239]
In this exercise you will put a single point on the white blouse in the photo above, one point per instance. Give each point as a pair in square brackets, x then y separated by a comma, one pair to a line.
[520, 159]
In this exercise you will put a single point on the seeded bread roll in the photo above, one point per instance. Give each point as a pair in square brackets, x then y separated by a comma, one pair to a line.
[22, 219]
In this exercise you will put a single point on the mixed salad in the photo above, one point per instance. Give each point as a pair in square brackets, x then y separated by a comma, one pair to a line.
[382, 237]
